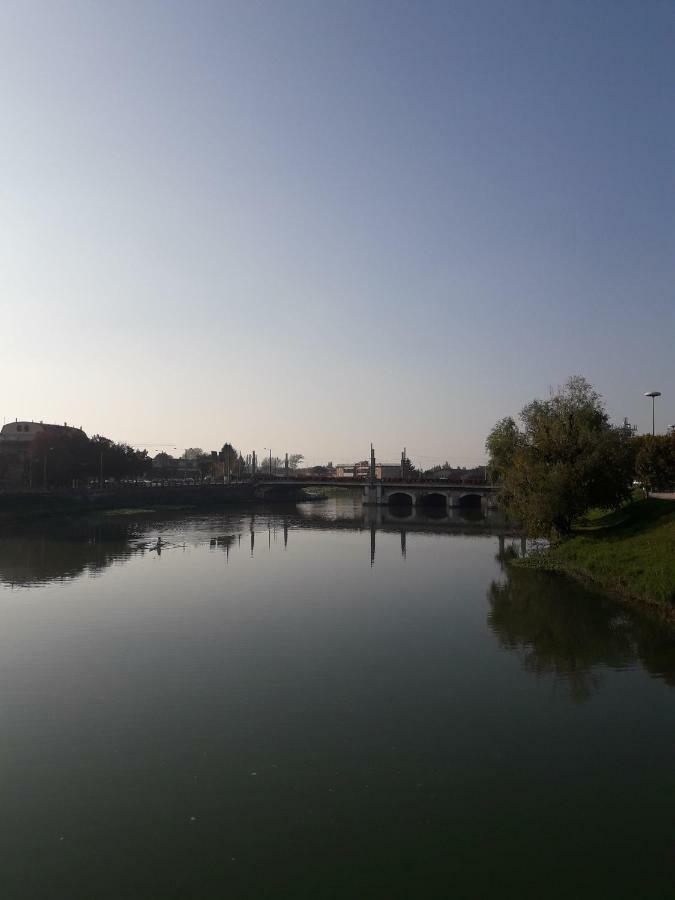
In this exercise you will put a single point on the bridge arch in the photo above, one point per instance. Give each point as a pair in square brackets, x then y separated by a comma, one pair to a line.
[470, 501]
[434, 499]
[400, 499]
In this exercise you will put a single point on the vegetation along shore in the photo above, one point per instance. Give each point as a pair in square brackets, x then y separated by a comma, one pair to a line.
[568, 475]
[629, 552]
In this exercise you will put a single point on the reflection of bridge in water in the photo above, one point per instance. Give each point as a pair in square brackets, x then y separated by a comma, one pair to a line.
[388, 520]
[57, 550]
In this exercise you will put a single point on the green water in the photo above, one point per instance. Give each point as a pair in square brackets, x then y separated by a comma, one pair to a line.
[320, 703]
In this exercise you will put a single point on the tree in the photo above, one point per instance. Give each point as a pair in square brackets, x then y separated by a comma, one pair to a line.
[566, 459]
[655, 461]
[63, 456]
[115, 460]
[192, 453]
[229, 456]
[264, 464]
[408, 468]
[68, 456]
[233, 461]
[294, 460]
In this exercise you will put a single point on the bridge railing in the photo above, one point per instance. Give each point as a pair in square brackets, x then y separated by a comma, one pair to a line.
[335, 479]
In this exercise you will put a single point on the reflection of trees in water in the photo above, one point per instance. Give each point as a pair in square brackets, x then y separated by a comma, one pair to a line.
[560, 629]
[62, 551]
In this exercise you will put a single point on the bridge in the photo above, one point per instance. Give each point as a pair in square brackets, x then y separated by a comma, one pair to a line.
[409, 489]
[400, 492]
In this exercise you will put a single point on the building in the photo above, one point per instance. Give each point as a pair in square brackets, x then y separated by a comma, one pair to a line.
[456, 474]
[167, 468]
[18, 450]
[361, 470]
[389, 470]
[18, 435]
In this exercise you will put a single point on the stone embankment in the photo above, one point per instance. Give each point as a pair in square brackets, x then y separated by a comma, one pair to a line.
[71, 502]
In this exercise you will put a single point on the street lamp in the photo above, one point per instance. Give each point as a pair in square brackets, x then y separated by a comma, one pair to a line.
[653, 395]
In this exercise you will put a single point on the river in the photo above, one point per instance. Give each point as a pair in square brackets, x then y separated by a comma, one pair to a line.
[319, 702]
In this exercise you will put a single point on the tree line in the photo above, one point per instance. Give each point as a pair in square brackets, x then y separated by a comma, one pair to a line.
[67, 457]
[61, 458]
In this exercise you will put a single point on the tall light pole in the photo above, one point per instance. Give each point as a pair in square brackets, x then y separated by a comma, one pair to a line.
[653, 395]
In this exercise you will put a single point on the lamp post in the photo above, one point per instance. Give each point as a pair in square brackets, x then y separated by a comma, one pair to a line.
[653, 395]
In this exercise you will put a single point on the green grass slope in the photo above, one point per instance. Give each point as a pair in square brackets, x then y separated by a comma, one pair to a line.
[629, 552]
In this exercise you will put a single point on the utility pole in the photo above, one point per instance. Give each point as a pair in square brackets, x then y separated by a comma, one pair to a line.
[372, 465]
[253, 463]
[286, 467]
[403, 464]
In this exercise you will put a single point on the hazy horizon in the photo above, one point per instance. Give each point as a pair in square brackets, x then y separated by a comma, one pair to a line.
[313, 226]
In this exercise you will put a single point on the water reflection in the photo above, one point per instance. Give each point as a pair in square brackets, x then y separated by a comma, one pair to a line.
[63, 549]
[310, 720]
[557, 629]
[561, 630]
[55, 551]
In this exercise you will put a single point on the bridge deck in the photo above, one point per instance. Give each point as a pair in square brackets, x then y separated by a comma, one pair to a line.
[360, 483]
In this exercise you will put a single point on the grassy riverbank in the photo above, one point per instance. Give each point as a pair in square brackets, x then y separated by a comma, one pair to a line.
[630, 552]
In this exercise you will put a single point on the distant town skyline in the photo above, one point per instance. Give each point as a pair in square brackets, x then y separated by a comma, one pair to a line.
[313, 226]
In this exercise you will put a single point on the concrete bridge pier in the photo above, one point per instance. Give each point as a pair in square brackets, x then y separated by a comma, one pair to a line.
[372, 494]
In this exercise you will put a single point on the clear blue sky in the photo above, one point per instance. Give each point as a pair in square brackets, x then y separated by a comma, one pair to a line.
[313, 225]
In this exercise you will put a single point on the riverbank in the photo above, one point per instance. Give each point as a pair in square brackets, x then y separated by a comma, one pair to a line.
[629, 553]
[37, 504]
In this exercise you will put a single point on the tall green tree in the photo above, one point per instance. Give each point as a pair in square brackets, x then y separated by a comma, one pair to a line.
[564, 459]
[655, 461]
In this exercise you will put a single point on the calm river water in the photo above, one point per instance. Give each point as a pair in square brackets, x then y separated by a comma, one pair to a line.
[318, 703]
